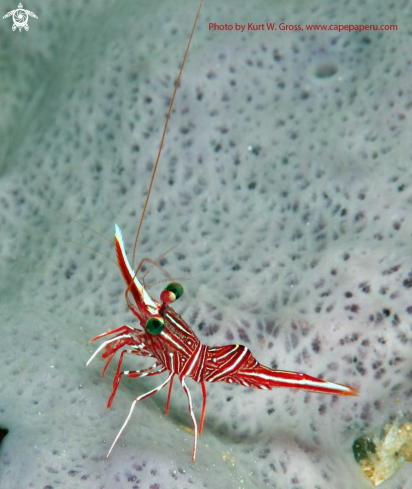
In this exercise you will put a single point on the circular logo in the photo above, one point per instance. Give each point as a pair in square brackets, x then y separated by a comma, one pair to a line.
[20, 18]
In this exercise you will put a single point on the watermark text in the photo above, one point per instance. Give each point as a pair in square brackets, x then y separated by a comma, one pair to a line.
[272, 26]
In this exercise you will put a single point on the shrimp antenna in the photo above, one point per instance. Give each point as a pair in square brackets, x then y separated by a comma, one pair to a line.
[164, 133]
[84, 246]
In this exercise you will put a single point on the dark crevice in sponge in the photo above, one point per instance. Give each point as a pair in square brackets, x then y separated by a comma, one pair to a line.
[3, 433]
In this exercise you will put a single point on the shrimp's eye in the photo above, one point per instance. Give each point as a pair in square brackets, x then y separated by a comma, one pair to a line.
[155, 325]
[171, 292]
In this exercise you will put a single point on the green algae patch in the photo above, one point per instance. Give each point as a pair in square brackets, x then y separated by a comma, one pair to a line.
[380, 457]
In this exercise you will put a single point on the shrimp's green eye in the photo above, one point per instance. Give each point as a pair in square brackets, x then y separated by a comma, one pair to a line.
[171, 292]
[155, 325]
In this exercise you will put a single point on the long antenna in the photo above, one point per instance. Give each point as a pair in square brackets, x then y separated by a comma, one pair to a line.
[164, 133]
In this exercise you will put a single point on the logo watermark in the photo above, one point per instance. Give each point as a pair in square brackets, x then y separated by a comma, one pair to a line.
[20, 18]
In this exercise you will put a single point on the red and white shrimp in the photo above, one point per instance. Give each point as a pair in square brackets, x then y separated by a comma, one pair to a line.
[163, 335]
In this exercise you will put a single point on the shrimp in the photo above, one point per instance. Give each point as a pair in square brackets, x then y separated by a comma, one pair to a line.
[166, 337]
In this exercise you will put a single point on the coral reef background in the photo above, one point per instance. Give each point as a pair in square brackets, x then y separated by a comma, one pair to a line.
[286, 183]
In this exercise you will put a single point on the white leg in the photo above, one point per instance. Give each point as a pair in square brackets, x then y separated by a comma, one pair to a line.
[119, 365]
[192, 415]
[140, 398]
[104, 344]
[135, 374]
